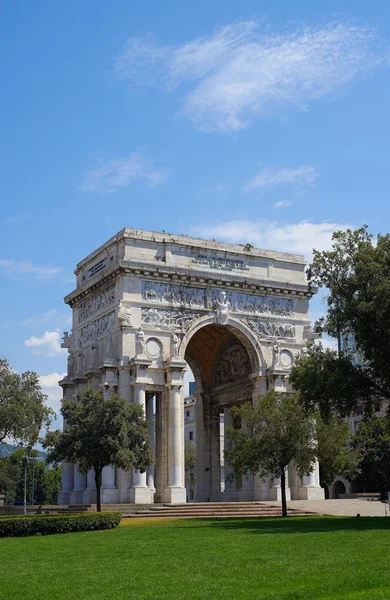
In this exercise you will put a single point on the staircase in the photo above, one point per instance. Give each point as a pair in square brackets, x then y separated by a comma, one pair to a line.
[212, 510]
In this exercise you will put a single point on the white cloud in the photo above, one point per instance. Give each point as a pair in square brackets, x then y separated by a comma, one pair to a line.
[49, 385]
[283, 204]
[48, 344]
[299, 238]
[270, 177]
[241, 72]
[122, 172]
[20, 267]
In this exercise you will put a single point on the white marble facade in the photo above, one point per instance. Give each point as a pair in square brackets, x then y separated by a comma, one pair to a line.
[145, 305]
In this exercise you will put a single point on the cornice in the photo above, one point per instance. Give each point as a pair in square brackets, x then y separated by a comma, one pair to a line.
[180, 275]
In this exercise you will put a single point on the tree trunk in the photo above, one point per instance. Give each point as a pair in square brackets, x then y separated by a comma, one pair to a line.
[283, 490]
[98, 479]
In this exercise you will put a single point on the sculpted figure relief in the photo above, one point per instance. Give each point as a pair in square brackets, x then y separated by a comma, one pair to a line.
[71, 364]
[174, 345]
[140, 342]
[222, 308]
[124, 315]
[109, 352]
[191, 297]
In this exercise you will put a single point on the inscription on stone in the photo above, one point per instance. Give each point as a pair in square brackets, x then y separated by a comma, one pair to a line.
[97, 267]
[221, 264]
[98, 302]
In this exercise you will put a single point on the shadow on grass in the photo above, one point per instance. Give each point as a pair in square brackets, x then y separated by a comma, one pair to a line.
[264, 525]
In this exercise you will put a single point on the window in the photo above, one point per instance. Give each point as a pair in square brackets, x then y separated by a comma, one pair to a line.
[188, 414]
[191, 435]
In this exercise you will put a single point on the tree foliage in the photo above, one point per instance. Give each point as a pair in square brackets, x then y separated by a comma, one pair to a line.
[332, 383]
[22, 406]
[100, 432]
[333, 453]
[47, 481]
[371, 444]
[356, 275]
[277, 431]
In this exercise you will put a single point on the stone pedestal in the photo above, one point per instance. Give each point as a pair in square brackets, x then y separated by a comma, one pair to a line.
[175, 494]
[89, 496]
[80, 481]
[141, 494]
[275, 491]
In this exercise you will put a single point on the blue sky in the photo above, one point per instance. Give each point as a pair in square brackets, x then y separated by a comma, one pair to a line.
[251, 122]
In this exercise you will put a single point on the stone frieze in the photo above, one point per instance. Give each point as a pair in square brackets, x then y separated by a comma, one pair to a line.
[188, 297]
[98, 302]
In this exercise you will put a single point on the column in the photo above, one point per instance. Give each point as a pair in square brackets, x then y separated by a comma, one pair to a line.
[203, 481]
[139, 493]
[67, 483]
[123, 481]
[246, 493]
[275, 492]
[215, 457]
[150, 421]
[175, 491]
[311, 489]
[89, 496]
[80, 482]
[230, 493]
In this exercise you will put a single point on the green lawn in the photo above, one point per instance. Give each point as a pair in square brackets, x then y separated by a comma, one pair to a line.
[248, 559]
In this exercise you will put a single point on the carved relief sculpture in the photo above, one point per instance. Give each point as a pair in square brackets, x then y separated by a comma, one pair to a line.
[185, 296]
[109, 352]
[140, 342]
[222, 309]
[276, 361]
[174, 345]
[71, 364]
[270, 329]
[232, 365]
[178, 320]
[124, 315]
[94, 355]
[96, 303]
[97, 329]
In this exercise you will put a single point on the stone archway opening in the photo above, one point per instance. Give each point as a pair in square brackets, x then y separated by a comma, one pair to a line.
[223, 369]
[338, 489]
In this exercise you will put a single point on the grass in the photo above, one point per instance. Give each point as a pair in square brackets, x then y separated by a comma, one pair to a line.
[243, 559]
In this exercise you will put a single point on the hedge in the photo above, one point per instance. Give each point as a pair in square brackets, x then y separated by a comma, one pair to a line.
[47, 524]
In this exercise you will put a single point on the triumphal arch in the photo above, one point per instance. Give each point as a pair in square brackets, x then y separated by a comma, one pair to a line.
[147, 305]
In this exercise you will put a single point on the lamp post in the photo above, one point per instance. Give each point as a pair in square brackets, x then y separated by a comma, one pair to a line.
[25, 458]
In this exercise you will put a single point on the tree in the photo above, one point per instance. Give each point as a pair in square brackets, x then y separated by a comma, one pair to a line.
[372, 446]
[277, 431]
[100, 432]
[22, 406]
[45, 483]
[190, 466]
[331, 383]
[333, 453]
[356, 274]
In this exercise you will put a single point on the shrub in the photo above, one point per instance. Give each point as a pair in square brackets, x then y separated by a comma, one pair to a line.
[47, 524]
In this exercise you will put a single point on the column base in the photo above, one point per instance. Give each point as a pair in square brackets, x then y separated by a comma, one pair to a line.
[275, 493]
[63, 498]
[141, 494]
[109, 496]
[76, 497]
[89, 497]
[175, 494]
[311, 492]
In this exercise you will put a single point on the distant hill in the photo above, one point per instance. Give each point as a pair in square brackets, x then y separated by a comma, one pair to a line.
[7, 449]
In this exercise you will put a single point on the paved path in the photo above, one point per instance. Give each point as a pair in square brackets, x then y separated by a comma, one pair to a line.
[366, 508]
